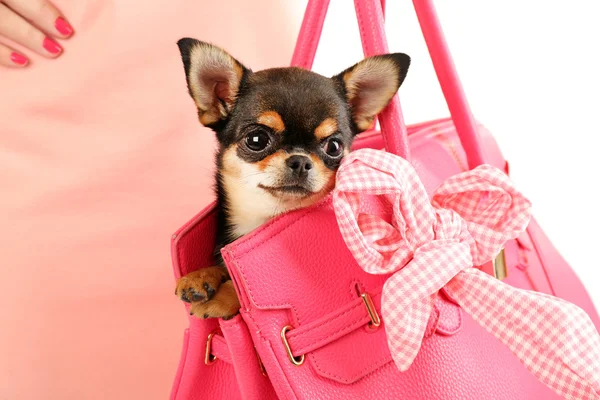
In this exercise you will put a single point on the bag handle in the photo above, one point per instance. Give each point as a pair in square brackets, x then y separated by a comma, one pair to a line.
[372, 31]
[310, 32]
[390, 119]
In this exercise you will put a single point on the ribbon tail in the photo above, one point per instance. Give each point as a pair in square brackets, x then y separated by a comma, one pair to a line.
[409, 294]
[554, 339]
[404, 326]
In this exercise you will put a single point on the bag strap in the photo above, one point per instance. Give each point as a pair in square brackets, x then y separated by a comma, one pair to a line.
[372, 32]
[332, 326]
[216, 349]
[310, 33]
[361, 312]
[371, 26]
[461, 113]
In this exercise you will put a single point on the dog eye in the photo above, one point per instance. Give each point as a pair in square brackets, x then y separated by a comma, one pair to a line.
[333, 147]
[257, 140]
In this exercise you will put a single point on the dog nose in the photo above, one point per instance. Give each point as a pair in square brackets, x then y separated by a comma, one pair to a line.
[300, 165]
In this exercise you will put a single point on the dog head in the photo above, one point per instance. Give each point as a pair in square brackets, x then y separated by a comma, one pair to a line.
[283, 131]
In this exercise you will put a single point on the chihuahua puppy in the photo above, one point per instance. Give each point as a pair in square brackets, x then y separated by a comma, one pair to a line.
[282, 134]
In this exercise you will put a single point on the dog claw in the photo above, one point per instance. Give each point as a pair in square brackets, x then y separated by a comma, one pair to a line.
[210, 291]
[200, 286]
[197, 297]
[184, 296]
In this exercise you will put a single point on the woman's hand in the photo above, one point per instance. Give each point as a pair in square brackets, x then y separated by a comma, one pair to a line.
[34, 24]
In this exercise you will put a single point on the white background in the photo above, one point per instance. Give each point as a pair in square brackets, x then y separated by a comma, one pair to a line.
[531, 71]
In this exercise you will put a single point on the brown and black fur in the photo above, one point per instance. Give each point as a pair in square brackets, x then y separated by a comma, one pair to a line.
[306, 122]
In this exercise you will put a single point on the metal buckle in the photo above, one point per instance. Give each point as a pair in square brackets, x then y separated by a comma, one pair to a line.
[375, 320]
[500, 270]
[297, 361]
[208, 357]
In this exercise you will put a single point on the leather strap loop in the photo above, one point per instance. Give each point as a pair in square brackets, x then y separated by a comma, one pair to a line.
[327, 329]
[354, 315]
[219, 349]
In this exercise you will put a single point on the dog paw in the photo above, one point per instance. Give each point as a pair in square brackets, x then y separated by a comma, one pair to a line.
[200, 286]
[224, 304]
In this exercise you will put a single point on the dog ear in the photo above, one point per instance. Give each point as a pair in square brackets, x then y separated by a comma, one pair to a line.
[213, 79]
[371, 84]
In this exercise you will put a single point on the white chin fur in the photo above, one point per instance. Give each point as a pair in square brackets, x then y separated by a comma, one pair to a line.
[250, 206]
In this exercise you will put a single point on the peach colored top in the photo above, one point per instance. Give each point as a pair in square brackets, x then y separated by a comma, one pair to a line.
[101, 159]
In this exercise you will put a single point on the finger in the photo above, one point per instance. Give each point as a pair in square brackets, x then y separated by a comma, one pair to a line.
[44, 15]
[12, 58]
[17, 29]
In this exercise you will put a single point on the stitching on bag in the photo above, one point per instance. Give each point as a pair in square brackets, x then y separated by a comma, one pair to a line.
[431, 328]
[185, 230]
[332, 319]
[388, 364]
[540, 256]
[280, 371]
[235, 258]
[447, 143]
[306, 213]
[247, 284]
[358, 305]
[445, 297]
[324, 340]
[372, 367]
[258, 328]
[448, 330]
[182, 362]
[312, 356]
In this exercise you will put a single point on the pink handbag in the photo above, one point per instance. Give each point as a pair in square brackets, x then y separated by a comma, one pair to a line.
[309, 326]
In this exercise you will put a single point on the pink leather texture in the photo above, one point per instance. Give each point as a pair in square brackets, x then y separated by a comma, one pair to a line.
[236, 373]
[288, 274]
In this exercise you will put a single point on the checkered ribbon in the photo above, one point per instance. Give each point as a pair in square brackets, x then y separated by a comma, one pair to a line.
[429, 244]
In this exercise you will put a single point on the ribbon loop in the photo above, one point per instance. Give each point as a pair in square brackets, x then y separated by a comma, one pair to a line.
[391, 226]
[489, 203]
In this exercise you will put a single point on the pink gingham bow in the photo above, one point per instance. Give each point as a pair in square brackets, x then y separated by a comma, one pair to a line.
[431, 244]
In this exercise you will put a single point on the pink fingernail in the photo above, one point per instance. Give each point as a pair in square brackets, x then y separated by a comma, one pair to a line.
[19, 59]
[52, 46]
[63, 27]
